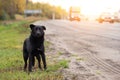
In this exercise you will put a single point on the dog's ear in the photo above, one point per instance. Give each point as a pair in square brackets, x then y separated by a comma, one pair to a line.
[32, 26]
[44, 28]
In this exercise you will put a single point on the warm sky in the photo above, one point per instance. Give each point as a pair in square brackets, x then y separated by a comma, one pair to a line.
[88, 7]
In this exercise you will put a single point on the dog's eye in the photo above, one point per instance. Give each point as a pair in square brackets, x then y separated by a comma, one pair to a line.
[36, 28]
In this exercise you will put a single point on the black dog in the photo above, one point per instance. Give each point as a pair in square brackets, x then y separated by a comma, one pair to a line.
[34, 47]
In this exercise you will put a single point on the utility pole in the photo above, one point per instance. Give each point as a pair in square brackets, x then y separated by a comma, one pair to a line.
[53, 12]
[27, 1]
[53, 15]
[26, 7]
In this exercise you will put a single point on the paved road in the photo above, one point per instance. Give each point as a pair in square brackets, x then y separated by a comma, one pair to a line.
[98, 44]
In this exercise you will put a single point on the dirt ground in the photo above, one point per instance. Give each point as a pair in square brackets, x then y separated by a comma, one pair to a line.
[91, 48]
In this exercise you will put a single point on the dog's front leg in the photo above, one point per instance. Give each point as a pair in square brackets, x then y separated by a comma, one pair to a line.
[44, 60]
[39, 61]
[30, 63]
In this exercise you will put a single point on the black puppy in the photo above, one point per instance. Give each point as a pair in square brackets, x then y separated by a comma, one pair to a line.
[34, 47]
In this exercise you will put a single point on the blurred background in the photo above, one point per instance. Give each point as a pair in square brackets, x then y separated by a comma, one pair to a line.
[58, 9]
[79, 45]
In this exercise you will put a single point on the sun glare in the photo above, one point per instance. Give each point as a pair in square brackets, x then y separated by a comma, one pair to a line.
[95, 7]
[88, 7]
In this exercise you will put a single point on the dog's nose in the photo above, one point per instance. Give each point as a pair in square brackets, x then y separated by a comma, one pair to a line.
[38, 34]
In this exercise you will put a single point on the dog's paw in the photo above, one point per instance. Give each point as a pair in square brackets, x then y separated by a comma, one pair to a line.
[41, 69]
[30, 70]
[45, 68]
[25, 70]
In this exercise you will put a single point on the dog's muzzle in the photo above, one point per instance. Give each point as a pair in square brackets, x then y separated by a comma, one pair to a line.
[38, 49]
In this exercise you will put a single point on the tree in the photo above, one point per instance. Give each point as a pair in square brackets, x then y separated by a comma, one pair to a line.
[20, 5]
[11, 7]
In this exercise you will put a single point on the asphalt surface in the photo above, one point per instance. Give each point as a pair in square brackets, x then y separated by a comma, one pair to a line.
[93, 45]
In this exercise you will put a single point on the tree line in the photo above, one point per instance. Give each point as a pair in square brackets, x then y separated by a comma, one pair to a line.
[8, 9]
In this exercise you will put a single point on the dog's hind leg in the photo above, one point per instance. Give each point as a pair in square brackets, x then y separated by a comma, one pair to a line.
[25, 56]
[30, 62]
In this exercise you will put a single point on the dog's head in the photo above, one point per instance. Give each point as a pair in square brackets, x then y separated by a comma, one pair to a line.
[37, 30]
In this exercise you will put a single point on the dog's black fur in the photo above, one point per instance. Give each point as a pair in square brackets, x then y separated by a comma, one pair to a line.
[34, 47]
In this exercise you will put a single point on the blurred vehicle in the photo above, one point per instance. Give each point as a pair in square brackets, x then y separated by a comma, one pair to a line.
[116, 19]
[106, 17]
[74, 13]
[117, 16]
[83, 17]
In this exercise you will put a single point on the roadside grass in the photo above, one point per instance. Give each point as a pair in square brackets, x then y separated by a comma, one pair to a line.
[50, 74]
[80, 59]
[98, 72]
[11, 44]
[11, 60]
[60, 53]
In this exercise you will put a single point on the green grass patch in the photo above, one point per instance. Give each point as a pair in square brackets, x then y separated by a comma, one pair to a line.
[57, 65]
[47, 44]
[11, 40]
[37, 75]
[60, 53]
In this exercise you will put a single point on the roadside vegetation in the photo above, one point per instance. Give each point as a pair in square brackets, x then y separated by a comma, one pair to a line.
[9, 8]
[12, 35]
